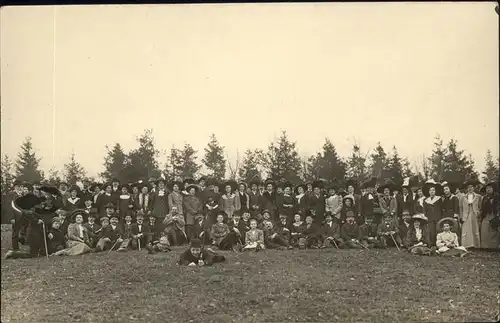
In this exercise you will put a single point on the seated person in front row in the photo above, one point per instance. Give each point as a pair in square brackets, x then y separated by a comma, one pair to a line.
[198, 256]
[127, 233]
[201, 228]
[310, 236]
[254, 239]
[266, 217]
[93, 228]
[237, 228]
[447, 241]
[283, 228]
[349, 232]
[174, 227]
[331, 233]
[110, 236]
[55, 237]
[222, 237]
[386, 229]
[139, 233]
[158, 240]
[418, 236]
[245, 225]
[404, 227]
[273, 239]
[296, 230]
[368, 234]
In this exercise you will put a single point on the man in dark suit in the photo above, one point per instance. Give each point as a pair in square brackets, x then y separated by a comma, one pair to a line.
[405, 203]
[15, 218]
[317, 202]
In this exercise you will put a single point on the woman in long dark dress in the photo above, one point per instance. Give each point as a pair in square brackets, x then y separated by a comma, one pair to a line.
[490, 218]
[432, 209]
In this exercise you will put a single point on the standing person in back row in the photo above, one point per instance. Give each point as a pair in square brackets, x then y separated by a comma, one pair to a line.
[317, 202]
[471, 204]
[432, 208]
[490, 217]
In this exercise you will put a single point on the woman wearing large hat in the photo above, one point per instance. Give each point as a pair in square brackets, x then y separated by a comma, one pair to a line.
[432, 207]
[450, 203]
[74, 201]
[287, 202]
[490, 217]
[471, 204]
[417, 238]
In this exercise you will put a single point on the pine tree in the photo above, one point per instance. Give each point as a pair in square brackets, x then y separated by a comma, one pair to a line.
[356, 165]
[27, 163]
[73, 171]
[436, 160]
[7, 174]
[379, 162]
[407, 168]
[184, 162]
[457, 167]
[54, 177]
[214, 159]
[282, 160]
[327, 164]
[395, 167]
[249, 171]
[491, 170]
[115, 164]
[141, 162]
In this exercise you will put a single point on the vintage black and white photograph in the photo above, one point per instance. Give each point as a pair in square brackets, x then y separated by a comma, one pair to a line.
[250, 162]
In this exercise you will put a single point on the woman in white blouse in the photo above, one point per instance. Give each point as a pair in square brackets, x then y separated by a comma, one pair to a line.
[470, 210]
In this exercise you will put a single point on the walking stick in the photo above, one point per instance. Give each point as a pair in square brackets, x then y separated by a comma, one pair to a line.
[335, 243]
[362, 245]
[139, 243]
[113, 245]
[45, 240]
[394, 240]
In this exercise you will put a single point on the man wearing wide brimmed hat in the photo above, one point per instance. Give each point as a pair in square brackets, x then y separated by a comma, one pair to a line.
[490, 217]
[471, 204]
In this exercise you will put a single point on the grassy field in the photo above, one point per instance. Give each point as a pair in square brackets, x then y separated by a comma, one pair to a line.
[277, 286]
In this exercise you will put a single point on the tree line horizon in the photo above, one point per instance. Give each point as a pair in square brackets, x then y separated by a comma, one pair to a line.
[280, 161]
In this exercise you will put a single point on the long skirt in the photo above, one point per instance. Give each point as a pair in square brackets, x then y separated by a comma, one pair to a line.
[420, 250]
[452, 252]
[490, 237]
[470, 230]
[74, 248]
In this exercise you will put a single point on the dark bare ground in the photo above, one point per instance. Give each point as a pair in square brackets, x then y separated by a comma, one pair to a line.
[307, 286]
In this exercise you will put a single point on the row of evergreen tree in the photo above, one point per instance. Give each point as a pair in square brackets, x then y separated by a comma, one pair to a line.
[280, 161]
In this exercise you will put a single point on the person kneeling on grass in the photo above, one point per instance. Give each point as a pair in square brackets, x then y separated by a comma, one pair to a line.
[386, 229]
[418, 236]
[350, 232]
[369, 234]
[331, 233]
[447, 241]
[254, 238]
[273, 239]
[196, 255]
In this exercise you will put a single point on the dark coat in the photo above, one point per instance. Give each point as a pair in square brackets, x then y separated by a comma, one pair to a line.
[159, 206]
[350, 231]
[411, 237]
[287, 206]
[208, 258]
[367, 230]
[104, 199]
[405, 204]
[331, 230]
[302, 205]
[433, 211]
[450, 206]
[57, 242]
[108, 232]
[256, 202]
[205, 227]
[318, 204]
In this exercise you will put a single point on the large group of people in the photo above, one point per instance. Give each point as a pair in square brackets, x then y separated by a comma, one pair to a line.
[423, 218]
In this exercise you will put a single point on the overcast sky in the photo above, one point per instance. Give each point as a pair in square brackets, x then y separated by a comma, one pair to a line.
[78, 78]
